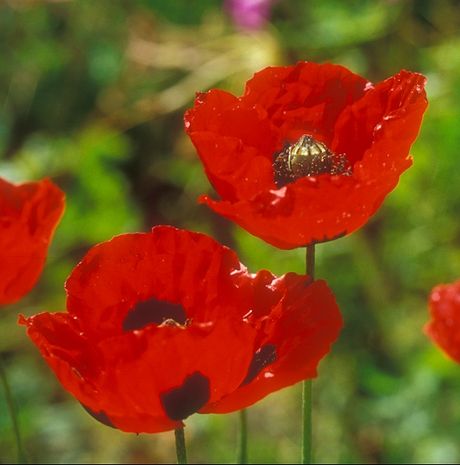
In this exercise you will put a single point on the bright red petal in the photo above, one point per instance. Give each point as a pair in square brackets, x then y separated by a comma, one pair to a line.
[234, 142]
[147, 365]
[380, 128]
[79, 366]
[311, 210]
[29, 214]
[296, 335]
[168, 264]
[69, 353]
[304, 99]
[444, 327]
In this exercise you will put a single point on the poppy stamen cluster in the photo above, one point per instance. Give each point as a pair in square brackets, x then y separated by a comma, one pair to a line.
[307, 157]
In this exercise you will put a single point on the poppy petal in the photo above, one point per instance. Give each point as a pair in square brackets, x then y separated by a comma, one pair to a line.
[116, 275]
[297, 334]
[68, 352]
[29, 214]
[444, 327]
[304, 98]
[383, 124]
[232, 142]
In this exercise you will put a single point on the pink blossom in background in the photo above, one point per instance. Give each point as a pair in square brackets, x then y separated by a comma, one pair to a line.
[249, 14]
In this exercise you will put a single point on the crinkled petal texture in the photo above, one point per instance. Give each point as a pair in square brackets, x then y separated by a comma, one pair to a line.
[29, 214]
[444, 327]
[164, 324]
[294, 319]
[238, 138]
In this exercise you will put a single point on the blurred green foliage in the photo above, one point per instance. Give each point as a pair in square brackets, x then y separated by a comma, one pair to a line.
[92, 94]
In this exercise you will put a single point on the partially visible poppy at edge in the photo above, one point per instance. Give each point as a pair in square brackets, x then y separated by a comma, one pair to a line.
[29, 214]
[164, 324]
[308, 152]
[444, 326]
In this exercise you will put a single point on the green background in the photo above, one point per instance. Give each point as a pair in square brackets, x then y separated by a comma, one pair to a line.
[92, 94]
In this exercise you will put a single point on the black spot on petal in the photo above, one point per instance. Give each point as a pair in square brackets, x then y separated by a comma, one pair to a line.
[263, 357]
[100, 416]
[182, 401]
[153, 311]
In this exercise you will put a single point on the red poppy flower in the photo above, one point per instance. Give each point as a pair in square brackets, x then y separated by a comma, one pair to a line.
[164, 324]
[444, 327]
[309, 152]
[29, 214]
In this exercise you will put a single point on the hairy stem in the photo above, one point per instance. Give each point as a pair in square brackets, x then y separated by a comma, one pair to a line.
[181, 451]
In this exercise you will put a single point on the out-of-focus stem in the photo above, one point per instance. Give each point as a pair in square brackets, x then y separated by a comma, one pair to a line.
[307, 422]
[13, 414]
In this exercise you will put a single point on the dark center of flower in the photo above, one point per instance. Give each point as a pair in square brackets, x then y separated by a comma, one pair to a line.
[307, 157]
[263, 357]
[154, 311]
[182, 401]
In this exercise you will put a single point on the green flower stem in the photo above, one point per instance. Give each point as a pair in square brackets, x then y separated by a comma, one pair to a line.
[243, 438]
[13, 414]
[307, 385]
[181, 451]
[306, 423]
